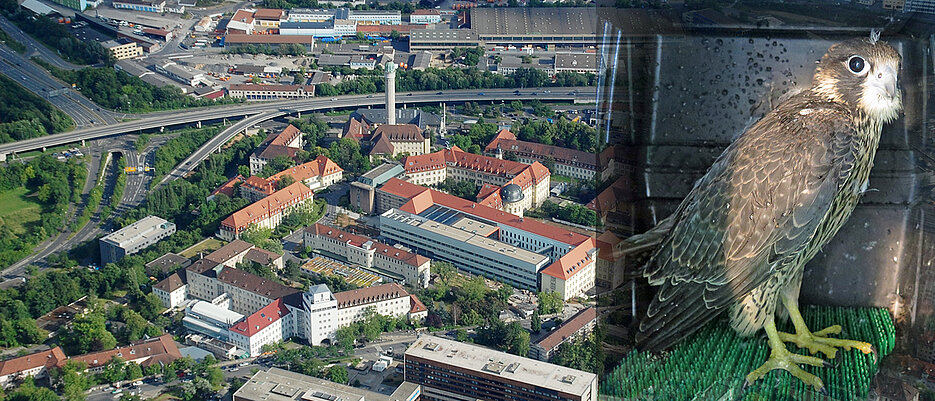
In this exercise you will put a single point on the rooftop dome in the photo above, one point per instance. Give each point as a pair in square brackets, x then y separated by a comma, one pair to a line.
[511, 193]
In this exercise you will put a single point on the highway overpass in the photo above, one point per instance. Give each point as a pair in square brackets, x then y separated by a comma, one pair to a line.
[275, 109]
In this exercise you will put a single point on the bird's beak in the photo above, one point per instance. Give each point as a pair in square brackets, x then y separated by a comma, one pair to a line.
[885, 79]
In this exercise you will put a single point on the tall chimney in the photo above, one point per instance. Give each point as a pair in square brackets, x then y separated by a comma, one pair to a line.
[390, 93]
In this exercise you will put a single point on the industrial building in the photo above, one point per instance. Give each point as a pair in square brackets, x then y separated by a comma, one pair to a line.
[186, 75]
[388, 262]
[452, 371]
[425, 17]
[271, 92]
[282, 385]
[442, 39]
[482, 240]
[209, 319]
[538, 26]
[134, 238]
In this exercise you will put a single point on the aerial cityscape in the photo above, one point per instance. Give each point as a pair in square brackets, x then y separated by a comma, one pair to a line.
[416, 199]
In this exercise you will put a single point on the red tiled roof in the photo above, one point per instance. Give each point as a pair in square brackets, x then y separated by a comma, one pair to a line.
[408, 190]
[383, 146]
[261, 256]
[572, 262]
[568, 328]
[227, 188]
[368, 295]
[359, 240]
[503, 134]
[243, 16]
[171, 283]
[255, 284]
[605, 245]
[160, 349]
[262, 208]
[48, 358]
[425, 12]
[268, 14]
[508, 142]
[327, 166]
[229, 251]
[214, 95]
[320, 166]
[356, 129]
[259, 184]
[400, 132]
[609, 198]
[415, 305]
[287, 135]
[261, 319]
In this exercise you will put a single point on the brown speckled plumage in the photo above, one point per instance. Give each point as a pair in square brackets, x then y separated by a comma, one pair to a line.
[769, 203]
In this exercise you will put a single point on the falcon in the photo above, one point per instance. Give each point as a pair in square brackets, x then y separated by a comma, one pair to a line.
[740, 240]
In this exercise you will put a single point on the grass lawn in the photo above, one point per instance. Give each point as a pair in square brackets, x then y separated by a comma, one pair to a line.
[17, 210]
[207, 246]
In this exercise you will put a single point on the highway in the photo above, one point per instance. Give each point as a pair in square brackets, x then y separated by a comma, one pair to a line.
[33, 47]
[37, 80]
[244, 110]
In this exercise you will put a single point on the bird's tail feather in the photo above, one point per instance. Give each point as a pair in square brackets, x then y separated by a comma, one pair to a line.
[634, 252]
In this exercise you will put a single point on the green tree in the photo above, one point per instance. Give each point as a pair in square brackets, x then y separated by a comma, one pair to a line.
[149, 306]
[215, 376]
[536, 324]
[461, 335]
[88, 333]
[28, 391]
[550, 302]
[133, 371]
[338, 374]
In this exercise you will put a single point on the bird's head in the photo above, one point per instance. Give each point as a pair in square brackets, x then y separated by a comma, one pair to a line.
[862, 73]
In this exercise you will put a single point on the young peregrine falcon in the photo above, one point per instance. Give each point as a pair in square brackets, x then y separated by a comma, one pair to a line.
[740, 240]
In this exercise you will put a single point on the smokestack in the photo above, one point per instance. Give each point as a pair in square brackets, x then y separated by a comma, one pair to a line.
[390, 93]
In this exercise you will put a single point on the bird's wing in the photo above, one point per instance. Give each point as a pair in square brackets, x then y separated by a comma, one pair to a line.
[761, 202]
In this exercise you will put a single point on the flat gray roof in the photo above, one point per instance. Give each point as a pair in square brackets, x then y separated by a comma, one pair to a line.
[141, 230]
[442, 35]
[282, 385]
[576, 61]
[503, 249]
[508, 366]
[539, 21]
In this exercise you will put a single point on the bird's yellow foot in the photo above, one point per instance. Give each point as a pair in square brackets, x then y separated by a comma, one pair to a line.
[819, 341]
[780, 358]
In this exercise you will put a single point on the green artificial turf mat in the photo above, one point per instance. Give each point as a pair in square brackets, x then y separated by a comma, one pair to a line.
[712, 364]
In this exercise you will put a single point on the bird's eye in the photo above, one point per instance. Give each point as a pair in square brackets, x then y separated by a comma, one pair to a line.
[856, 64]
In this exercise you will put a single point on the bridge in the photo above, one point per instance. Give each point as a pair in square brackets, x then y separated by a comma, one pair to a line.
[256, 113]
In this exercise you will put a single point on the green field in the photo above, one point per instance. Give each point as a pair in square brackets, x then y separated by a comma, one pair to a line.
[17, 210]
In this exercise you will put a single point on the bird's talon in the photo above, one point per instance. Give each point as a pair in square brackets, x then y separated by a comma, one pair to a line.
[824, 391]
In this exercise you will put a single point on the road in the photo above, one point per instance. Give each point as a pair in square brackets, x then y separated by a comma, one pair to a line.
[33, 47]
[37, 80]
[276, 108]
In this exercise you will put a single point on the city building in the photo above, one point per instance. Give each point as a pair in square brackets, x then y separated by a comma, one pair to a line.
[270, 92]
[452, 371]
[282, 385]
[580, 325]
[265, 326]
[316, 174]
[35, 365]
[425, 17]
[582, 63]
[424, 120]
[314, 29]
[159, 33]
[241, 22]
[388, 262]
[238, 251]
[172, 290]
[482, 240]
[394, 139]
[376, 17]
[919, 6]
[134, 238]
[568, 162]
[123, 48]
[153, 6]
[286, 143]
[608, 273]
[211, 320]
[385, 299]
[897, 5]
[362, 191]
[158, 350]
[167, 263]
[507, 185]
[267, 212]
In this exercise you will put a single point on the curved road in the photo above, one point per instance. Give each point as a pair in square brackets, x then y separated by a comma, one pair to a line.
[245, 110]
